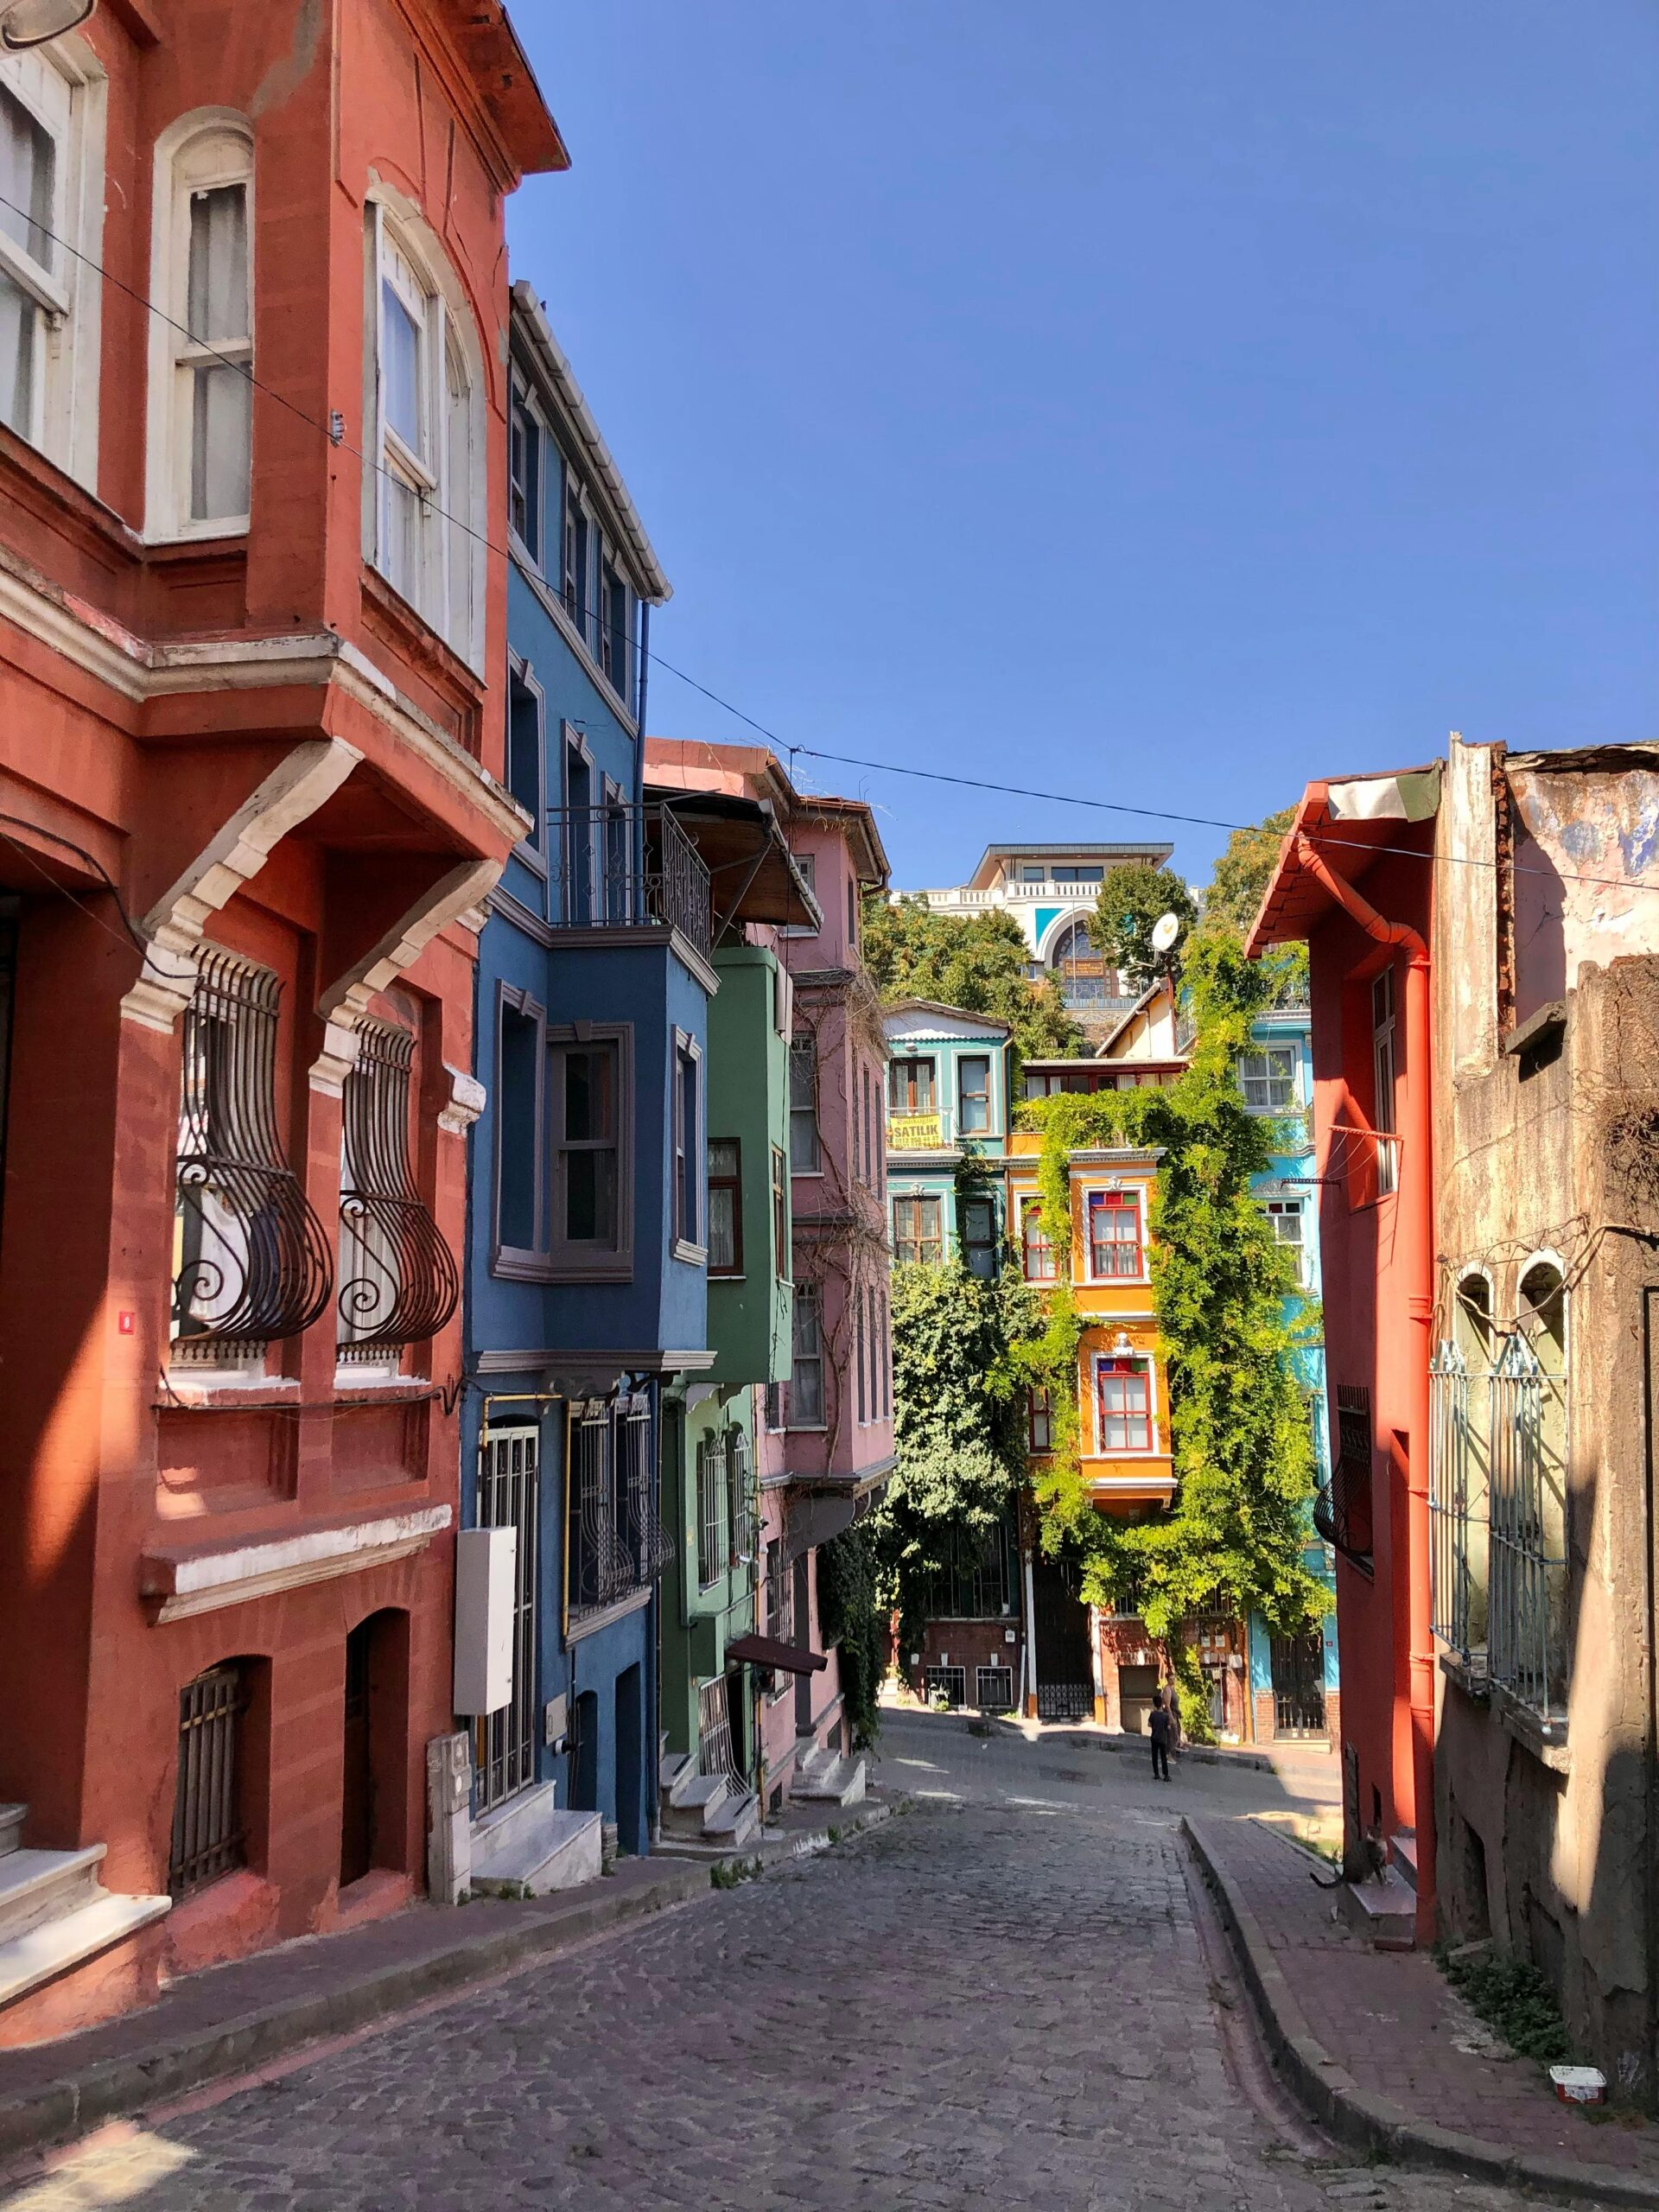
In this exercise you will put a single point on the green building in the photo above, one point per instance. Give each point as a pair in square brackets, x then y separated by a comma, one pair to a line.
[949, 1101]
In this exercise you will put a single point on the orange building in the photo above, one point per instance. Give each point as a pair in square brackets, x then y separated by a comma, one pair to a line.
[253, 467]
[1122, 1407]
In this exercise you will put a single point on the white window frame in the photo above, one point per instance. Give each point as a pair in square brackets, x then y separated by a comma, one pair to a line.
[203, 151]
[1265, 1077]
[1278, 1210]
[64, 88]
[447, 592]
[1152, 1448]
[1133, 1194]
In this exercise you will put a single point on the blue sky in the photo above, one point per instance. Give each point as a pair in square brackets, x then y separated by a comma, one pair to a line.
[1162, 402]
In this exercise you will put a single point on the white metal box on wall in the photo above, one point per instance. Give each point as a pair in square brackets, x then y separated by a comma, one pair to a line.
[486, 1575]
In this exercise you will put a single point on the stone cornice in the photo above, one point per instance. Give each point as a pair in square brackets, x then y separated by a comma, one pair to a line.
[179, 1584]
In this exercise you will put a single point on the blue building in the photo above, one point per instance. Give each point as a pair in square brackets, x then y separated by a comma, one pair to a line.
[1295, 1681]
[586, 1264]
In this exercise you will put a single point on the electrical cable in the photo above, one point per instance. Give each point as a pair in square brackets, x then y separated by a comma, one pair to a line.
[341, 444]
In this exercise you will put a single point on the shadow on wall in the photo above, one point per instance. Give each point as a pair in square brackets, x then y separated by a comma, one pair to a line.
[1539, 937]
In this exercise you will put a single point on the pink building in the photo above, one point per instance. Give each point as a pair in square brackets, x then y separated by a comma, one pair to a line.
[824, 1439]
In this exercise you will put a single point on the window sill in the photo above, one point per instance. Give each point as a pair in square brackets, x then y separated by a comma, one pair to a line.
[512, 1264]
[231, 532]
[727, 1274]
[379, 1389]
[194, 1387]
[694, 1255]
[583, 1624]
[611, 1268]
[417, 632]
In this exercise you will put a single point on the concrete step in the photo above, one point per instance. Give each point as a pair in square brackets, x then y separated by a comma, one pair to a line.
[1402, 1853]
[676, 1773]
[839, 1781]
[52, 1946]
[561, 1851]
[734, 1821]
[36, 1886]
[702, 1797]
[11, 1827]
[502, 1834]
[1384, 1912]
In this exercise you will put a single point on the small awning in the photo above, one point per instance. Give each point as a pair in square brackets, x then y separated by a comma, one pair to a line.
[766, 1651]
[753, 876]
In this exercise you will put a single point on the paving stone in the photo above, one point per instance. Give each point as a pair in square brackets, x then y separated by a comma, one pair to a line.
[978, 2005]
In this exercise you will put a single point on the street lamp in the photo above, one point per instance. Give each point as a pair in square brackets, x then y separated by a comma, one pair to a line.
[34, 23]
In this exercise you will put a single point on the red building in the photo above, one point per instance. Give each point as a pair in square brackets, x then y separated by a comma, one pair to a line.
[250, 745]
[1356, 880]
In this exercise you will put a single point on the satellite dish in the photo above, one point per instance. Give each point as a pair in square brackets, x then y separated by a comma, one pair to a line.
[1165, 930]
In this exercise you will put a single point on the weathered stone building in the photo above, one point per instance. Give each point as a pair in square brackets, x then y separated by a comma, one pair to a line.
[1547, 1145]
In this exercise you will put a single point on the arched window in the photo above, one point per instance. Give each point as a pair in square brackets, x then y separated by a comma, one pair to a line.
[425, 524]
[200, 457]
[1072, 943]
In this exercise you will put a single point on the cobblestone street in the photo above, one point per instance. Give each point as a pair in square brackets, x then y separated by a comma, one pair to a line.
[1000, 1998]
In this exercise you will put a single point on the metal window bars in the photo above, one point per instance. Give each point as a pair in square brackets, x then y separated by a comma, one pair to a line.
[977, 1581]
[716, 1752]
[619, 863]
[742, 1517]
[1527, 1570]
[509, 1497]
[208, 1834]
[617, 1545]
[1449, 1484]
[1342, 1510]
[251, 1257]
[946, 1686]
[994, 1690]
[711, 1476]
[399, 1283]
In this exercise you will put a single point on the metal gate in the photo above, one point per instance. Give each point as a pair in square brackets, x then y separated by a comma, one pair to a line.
[503, 1742]
[716, 1753]
[1065, 1674]
[1299, 1685]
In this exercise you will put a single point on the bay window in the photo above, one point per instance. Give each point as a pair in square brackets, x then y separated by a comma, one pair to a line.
[1123, 1406]
[52, 106]
[425, 523]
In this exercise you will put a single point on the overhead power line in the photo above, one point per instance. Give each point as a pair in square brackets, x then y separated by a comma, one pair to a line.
[1323, 837]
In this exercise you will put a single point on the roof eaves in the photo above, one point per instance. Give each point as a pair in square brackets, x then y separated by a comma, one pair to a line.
[579, 416]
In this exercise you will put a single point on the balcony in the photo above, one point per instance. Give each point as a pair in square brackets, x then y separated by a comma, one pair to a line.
[623, 866]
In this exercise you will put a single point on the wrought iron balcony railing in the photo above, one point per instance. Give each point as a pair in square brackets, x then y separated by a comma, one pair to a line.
[250, 1257]
[399, 1283]
[620, 864]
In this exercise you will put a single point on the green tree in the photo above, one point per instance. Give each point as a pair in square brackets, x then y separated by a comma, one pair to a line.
[853, 1615]
[1235, 893]
[958, 1424]
[976, 962]
[1228, 1322]
[1131, 901]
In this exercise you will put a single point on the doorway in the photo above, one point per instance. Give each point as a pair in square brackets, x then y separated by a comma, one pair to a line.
[509, 1495]
[584, 1753]
[374, 1764]
[1299, 1685]
[1065, 1674]
[629, 1753]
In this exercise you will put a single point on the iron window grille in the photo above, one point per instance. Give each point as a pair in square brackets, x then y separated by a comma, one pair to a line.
[780, 1606]
[208, 1839]
[1451, 1481]
[251, 1257]
[742, 1530]
[717, 1752]
[711, 1552]
[1114, 1235]
[399, 1284]
[617, 864]
[509, 1497]
[918, 1230]
[976, 1582]
[1527, 1571]
[1298, 1671]
[994, 1690]
[1342, 1510]
[948, 1684]
[617, 1545]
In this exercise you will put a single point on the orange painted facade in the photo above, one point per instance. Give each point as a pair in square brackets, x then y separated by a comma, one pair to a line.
[277, 736]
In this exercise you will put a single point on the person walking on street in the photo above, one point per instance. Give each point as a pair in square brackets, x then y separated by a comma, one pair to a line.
[1158, 1729]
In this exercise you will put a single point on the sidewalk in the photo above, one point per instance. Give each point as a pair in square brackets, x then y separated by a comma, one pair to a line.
[1381, 2050]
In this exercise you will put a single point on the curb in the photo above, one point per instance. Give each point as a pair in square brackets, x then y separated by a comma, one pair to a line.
[1369, 2122]
[779, 1850]
[57, 2111]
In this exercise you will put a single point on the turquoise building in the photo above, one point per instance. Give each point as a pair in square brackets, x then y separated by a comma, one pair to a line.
[950, 1101]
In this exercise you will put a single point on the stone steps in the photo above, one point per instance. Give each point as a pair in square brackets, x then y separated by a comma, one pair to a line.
[55, 1912]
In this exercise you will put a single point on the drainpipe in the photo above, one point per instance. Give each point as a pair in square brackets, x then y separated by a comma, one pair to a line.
[1031, 1643]
[1414, 1235]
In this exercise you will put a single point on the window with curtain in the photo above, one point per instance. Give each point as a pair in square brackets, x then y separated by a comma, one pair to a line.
[804, 1152]
[725, 1208]
[426, 522]
[1035, 1249]
[806, 1377]
[1268, 1079]
[918, 1235]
